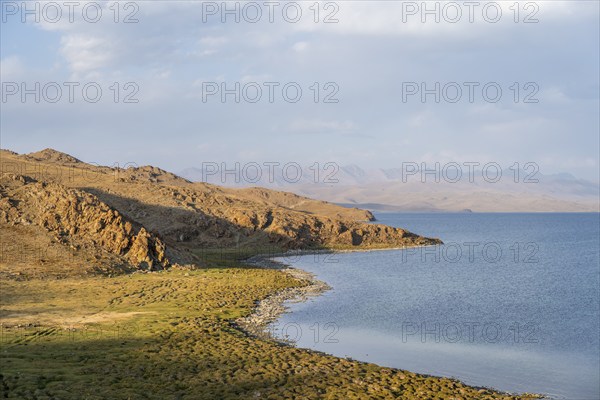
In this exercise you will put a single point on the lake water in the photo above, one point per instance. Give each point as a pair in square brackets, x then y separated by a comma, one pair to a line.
[510, 301]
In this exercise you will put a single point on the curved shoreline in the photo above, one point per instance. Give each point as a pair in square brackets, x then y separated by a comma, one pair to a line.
[271, 308]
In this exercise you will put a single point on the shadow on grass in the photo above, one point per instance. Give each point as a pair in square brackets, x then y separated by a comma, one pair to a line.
[170, 366]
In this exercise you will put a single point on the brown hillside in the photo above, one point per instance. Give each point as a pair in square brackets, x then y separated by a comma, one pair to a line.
[109, 212]
[89, 228]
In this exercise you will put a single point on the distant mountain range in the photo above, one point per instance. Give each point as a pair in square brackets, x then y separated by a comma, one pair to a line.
[412, 189]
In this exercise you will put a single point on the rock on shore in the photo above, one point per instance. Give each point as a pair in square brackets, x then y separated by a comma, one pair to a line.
[268, 310]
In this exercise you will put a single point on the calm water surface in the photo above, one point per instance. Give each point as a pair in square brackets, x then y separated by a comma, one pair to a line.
[510, 301]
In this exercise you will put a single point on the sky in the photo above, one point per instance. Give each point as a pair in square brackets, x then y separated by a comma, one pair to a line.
[373, 84]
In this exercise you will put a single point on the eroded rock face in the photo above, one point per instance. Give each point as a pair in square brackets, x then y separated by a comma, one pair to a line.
[308, 231]
[76, 217]
[147, 250]
[214, 218]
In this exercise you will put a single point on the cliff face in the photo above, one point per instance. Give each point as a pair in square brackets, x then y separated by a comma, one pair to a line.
[79, 220]
[110, 213]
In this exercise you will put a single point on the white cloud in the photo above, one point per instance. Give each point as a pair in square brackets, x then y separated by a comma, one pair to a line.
[11, 68]
[517, 128]
[87, 53]
[300, 46]
[441, 18]
[554, 95]
[260, 78]
[163, 74]
[419, 119]
[214, 41]
[322, 126]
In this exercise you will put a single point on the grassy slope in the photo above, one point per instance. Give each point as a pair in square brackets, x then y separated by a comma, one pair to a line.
[167, 335]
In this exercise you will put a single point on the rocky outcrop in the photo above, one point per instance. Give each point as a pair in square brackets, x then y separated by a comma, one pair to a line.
[300, 231]
[148, 174]
[51, 155]
[78, 218]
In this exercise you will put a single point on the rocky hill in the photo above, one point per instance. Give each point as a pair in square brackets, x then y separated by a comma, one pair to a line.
[77, 220]
[113, 219]
[53, 156]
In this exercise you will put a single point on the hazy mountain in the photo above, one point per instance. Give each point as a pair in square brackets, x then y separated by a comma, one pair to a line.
[406, 189]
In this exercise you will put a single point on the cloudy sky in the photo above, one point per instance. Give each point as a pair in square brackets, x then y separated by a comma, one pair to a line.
[333, 82]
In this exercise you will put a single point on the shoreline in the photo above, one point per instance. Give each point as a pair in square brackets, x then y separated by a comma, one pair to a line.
[265, 260]
[271, 308]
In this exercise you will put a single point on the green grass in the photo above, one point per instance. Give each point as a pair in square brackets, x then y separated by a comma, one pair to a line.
[236, 256]
[168, 335]
[232, 257]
